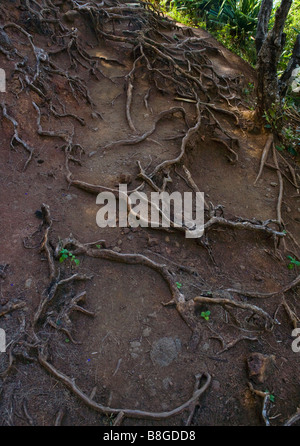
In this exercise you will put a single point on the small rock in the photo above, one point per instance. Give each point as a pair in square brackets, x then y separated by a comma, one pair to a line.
[70, 16]
[260, 366]
[273, 184]
[152, 241]
[205, 346]
[146, 332]
[215, 385]
[167, 239]
[288, 209]
[164, 351]
[135, 344]
[167, 383]
[116, 249]
[28, 283]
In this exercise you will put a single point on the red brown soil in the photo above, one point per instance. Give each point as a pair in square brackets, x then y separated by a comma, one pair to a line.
[116, 349]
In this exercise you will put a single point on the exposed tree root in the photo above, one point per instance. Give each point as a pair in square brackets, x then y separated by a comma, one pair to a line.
[266, 403]
[130, 413]
[16, 137]
[131, 259]
[12, 306]
[179, 67]
[293, 419]
[288, 287]
[264, 156]
[224, 302]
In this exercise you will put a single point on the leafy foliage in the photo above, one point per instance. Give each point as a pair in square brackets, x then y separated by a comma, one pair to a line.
[234, 24]
[240, 15]
[65, 254]
[293, 262]
[291, 29]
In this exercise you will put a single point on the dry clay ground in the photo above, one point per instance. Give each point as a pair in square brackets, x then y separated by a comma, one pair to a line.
[129, 352]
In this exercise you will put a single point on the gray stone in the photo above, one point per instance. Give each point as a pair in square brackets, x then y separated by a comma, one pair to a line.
[205, 346]
[135, 344]
[146, 332]
[28, 283]
[167, 383]
[215, 385]
[70, 16]
[165, 351]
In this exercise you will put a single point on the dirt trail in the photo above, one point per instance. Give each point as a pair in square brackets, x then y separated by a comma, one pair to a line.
[133, 352]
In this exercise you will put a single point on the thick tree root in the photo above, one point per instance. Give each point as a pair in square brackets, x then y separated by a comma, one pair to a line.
[130, 413]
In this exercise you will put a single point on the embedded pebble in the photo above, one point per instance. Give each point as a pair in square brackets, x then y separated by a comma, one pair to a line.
[165, 351]
[28, 283]
[167, 383]
[146, 332]
[205, 347]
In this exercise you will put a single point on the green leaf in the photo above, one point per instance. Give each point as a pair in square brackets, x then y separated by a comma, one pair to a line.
[205, 315]
[77, 261]
[292, 151]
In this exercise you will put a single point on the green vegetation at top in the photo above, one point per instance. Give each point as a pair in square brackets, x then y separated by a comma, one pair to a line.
[233, 22]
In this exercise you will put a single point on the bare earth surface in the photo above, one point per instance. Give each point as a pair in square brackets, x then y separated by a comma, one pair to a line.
[130, 351]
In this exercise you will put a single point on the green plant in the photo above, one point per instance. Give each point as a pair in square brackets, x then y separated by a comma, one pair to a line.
[240, 15]
[249, 89]
[205, 315]
[65, 254]
[291, 29]
[271, 397]
[179, 285]
[293, 262]
[291, 138]
[273, 118]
